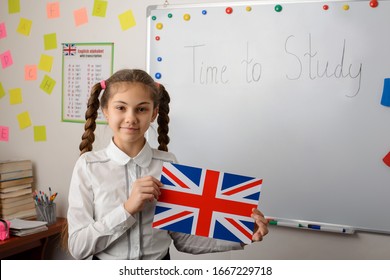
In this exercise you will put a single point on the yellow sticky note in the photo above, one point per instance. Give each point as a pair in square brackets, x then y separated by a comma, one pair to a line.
[50, 41]
[39, 133]
[45, 63]
[53, 10]
[99, 8]
[30, 72]
[127, 20]
[80, 16]
[13, 6]
[24, 27]
[47, 84]
[2, 91]
[24, 120]
[15, 96]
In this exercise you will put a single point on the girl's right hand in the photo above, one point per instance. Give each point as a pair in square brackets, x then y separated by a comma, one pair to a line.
[144, 189]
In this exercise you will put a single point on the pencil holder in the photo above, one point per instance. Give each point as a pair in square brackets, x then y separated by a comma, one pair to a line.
[46, 213]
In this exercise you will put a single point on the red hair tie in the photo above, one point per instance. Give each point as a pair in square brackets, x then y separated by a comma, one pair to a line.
[103, 84]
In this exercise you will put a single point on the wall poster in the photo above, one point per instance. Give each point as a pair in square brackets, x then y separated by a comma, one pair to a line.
[83, 65]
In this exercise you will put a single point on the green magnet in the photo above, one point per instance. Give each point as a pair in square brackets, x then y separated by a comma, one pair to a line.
[278, 8]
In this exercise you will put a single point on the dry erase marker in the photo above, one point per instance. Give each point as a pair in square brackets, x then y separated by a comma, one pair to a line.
[334, 229]
[311, 226]
[283, 224]
[330, 228]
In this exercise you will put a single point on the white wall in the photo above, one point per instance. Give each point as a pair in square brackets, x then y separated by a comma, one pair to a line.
[54, 158]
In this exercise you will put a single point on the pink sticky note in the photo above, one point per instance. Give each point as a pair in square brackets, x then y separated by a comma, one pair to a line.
[3, 31]
[30, 72]
[80, 16]
[386, 159]
[53, 10]
[4, 133]
[6, 59]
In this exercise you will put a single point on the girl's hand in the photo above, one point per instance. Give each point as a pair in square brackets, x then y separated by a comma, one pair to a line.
[261, 225]
[143, 189]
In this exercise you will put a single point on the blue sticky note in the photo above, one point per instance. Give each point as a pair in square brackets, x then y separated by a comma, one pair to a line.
[386, 93]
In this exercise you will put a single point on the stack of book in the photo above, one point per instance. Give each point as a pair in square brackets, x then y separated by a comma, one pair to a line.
[20, 227]
[16, 199]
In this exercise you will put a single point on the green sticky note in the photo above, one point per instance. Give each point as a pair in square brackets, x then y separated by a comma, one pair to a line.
[47, 84]
[13, 6]
[39, 133]
[45, 63]
[2, 91]
[50, 41]
[99, 8]
[24, 120]
[127, 20]
[15, 96]
[24, 27]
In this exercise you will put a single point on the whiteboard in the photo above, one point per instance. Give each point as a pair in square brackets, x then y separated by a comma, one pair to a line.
[291, 96]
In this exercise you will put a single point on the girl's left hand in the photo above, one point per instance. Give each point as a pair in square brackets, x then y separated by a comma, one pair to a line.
[261, 225]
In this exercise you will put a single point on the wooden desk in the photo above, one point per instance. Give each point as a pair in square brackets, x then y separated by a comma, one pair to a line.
[30, 246]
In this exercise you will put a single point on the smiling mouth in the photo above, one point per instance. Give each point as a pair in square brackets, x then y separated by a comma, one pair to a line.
[130, 128]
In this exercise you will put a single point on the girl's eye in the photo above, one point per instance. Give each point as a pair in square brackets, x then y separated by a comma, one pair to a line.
[120, 108]
[142, 109]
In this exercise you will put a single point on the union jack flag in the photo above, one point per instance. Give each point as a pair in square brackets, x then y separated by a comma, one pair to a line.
[69, 49]
[207, 203]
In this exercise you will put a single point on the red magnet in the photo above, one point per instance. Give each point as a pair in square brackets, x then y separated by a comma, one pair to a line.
[325, 7]
[386, 159]
[157, 38]
[229, 10]
[374, 3]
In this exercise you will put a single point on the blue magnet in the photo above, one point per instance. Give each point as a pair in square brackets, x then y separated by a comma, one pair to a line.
[159, 59]
[386, 93]
[158, 75]
[204, 12]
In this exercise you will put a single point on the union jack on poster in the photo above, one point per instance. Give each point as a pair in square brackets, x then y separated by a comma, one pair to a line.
[207, 203]
[69, 49]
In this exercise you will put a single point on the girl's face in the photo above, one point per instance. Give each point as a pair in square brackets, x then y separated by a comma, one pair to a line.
[129, 113]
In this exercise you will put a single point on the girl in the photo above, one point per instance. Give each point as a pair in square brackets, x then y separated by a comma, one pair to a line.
[113, 191]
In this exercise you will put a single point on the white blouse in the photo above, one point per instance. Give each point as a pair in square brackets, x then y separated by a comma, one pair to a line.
[98, 223]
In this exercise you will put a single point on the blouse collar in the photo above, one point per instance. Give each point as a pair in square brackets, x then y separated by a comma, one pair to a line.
[143, 158]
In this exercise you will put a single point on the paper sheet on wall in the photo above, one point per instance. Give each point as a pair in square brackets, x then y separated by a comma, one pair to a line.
[83, 65]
